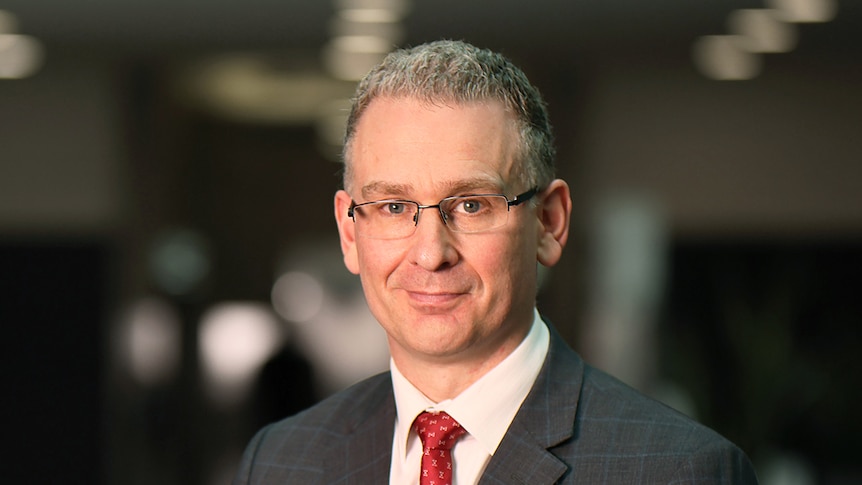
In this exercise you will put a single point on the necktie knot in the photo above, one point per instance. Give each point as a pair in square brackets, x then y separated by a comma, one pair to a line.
[438, 432]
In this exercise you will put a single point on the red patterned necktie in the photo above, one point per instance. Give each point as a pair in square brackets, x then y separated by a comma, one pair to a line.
[438, 432]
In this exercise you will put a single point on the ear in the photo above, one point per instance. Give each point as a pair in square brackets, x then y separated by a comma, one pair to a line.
[554, 212]
[346, 231]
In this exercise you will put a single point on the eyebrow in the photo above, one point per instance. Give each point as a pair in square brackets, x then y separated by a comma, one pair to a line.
[380, 188]
[474, 185]
[455, 187]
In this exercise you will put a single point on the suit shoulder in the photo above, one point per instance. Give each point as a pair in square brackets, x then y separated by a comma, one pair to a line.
[294, 450]
[336, 412]
[609, 403]
[637, 438]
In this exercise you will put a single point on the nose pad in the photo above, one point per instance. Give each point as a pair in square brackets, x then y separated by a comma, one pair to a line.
[443, 215]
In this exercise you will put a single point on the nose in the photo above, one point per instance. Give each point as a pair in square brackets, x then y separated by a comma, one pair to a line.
[422, 208]
[432, 245]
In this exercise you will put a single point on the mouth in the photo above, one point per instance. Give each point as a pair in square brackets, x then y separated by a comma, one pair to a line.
[432, 297]
[433, 301]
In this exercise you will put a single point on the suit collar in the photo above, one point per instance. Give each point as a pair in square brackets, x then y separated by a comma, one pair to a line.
[545, 420]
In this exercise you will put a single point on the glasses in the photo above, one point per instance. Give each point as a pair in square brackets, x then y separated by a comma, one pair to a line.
[397, 218]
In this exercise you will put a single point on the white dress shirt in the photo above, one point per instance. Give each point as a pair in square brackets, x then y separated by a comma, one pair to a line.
[485, 410]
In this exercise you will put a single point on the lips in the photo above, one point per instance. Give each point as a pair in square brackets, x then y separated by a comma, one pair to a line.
[433, 302]
[432, 298]
[432, 292]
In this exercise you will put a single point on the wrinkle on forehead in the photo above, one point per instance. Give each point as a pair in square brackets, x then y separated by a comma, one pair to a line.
[493, 139]
[472, 185]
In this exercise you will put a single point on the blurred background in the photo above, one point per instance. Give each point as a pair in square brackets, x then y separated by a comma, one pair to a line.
[170, 276]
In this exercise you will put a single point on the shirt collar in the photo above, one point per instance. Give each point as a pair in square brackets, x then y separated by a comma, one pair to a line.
[487, 420]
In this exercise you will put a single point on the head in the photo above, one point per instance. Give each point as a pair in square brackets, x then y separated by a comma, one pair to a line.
[442, 120]
[445, 72]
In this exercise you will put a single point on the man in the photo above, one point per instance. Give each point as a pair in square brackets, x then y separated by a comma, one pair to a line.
[449, 202]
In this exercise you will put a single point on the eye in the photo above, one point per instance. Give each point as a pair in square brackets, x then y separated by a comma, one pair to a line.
[472, 205]
[394, 208]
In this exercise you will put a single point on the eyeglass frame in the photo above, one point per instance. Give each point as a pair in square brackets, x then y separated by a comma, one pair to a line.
[517, 200]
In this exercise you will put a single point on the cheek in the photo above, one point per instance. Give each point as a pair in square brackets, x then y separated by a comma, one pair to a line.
[377, 260]
[373, 278]
[519, 262]
[502, 262]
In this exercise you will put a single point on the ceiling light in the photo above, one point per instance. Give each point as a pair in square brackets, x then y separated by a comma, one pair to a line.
[802, 11]
[398, 8]
[20, 56]
[370, 15]
[366, 44]
[761, 30]
[723, 57]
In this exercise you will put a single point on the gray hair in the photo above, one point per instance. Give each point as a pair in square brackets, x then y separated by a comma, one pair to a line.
[457, 72]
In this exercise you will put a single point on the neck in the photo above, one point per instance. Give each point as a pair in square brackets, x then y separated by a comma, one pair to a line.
[442, 378]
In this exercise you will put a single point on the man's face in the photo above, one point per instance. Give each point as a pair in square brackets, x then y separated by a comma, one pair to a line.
[442, 296]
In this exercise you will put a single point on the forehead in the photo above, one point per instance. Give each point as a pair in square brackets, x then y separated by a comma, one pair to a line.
[409, 146]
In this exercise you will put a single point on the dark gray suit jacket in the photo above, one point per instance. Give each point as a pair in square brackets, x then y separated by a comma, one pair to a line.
[577, 425]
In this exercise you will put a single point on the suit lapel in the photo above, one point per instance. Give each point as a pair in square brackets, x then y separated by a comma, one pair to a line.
[363, 453]
[546, 419]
